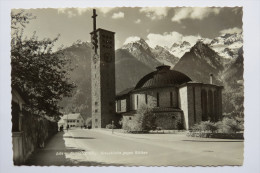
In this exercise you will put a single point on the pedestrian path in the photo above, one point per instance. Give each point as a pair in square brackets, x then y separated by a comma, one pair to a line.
[51, 154]
[58, 151]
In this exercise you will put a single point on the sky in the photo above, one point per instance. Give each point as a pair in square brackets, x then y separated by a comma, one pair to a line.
[158, 26]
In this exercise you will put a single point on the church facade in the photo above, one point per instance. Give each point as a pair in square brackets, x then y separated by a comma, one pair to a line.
[173, 97]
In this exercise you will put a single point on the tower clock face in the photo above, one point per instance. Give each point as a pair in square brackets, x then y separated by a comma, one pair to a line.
[107, 57]
[95, 58]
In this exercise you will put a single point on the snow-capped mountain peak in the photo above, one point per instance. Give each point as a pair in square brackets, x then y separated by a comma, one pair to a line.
[139, 43]
[227, 45]
[180, 48]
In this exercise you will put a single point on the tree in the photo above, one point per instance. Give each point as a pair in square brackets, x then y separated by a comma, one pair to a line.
[40, 73]
[144, 120]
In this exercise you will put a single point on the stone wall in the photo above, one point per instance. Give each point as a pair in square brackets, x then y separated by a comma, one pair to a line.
[34, 133]
[169, 120]
[163, 120]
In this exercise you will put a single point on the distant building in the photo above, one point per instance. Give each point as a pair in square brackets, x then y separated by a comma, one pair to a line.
[173, 97]
[73, 120]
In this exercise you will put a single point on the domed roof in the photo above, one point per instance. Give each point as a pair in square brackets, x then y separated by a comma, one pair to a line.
[163, 76]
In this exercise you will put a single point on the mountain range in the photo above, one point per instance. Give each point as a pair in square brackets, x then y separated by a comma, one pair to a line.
[222, 56]
[226, 45]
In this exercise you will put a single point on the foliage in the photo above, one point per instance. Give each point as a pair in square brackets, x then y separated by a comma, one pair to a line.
[143, 121]
[230, 125]
[37, 71]
[205, 126]
[110, 126]
[233, 93]
[227, 125]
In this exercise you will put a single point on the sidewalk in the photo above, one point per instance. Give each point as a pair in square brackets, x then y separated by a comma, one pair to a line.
[51, 154]
[55, 153]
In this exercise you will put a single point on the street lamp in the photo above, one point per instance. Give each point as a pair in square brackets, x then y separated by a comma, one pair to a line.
[112, 126]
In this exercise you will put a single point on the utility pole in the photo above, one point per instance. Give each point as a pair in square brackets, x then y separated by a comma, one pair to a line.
[67, 123]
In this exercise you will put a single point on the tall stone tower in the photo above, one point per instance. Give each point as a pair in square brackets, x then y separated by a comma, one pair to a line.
[102, 76]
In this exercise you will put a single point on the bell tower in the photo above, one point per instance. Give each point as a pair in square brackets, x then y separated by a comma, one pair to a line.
[102, 76]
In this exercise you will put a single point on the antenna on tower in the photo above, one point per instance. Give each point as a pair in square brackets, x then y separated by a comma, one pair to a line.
[94, 37]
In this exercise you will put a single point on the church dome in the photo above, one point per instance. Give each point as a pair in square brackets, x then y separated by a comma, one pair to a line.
[163, 76]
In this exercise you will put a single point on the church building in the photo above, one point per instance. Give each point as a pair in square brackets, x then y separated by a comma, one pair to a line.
[173, 97]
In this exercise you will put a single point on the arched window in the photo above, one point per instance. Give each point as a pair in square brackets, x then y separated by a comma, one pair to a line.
[171, 102]
[158, 99]
[118, 105]
[210, 101]
[146, 100]
[216, 105]
[204, 105]
[137, 101]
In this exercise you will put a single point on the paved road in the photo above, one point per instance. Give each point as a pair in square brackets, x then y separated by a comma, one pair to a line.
[100, 147]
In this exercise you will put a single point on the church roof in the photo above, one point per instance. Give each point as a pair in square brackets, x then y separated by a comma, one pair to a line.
[124, 93]
[163, 76]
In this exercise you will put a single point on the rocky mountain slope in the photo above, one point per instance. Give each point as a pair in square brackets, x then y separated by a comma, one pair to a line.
[202, 60]
[80, 61]
[142, 52]
[199, 62]
[129, 70]
[179, 49]
[227, 45]
[164, 56]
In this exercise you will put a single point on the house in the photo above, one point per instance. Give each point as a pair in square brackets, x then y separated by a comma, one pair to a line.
[73, 120]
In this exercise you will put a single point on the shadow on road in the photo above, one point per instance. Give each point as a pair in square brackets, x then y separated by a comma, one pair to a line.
[209, 141]
[54, 154]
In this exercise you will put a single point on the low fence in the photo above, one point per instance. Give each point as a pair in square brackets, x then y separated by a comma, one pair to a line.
[34, 133]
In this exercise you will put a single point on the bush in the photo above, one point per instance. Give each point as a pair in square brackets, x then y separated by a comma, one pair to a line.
[110, 126]
[230, 125]
[205, 126]
[143, 121]
[210, 126]
[227, 125]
